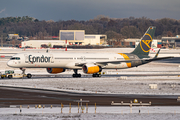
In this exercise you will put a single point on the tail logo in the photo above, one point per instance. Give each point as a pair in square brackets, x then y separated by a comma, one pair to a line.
[145, 43]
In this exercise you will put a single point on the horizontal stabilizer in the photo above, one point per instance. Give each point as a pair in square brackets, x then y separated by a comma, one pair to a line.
[160, 58]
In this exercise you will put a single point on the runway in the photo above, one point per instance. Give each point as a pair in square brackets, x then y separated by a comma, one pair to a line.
[27, 96]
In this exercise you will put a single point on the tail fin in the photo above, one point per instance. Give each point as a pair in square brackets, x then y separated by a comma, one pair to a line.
[144, 45]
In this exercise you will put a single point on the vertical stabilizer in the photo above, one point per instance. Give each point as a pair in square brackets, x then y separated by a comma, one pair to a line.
[144, 45]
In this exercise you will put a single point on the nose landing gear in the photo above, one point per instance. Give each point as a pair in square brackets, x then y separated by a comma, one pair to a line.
[23, 72]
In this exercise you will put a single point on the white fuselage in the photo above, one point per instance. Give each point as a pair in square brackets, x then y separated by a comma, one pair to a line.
[64, 60]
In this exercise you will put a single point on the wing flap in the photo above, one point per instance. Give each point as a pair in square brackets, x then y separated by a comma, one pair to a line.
[105, 62]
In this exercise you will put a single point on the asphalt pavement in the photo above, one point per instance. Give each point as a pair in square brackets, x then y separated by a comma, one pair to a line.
[33, 96]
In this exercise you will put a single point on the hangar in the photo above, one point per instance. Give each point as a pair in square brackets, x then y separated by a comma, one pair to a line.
[73, 37]
[171, 42]
[78, 37]
[40, 43]
[134, 42]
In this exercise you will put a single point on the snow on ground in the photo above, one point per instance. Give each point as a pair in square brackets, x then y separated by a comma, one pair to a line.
[116, 84]
[91, 109]
[108, 113]
[101, 85]
[102, 116]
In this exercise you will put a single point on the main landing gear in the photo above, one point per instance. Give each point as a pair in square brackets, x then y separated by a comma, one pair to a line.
[76, 74]
[79, 75]
[96, 75]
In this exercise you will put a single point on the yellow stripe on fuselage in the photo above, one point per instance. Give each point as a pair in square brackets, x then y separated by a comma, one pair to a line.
[126, 58]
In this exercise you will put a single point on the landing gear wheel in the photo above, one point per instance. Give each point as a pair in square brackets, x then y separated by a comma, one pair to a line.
[29, 75]
[10, 76]
[76, 75]
[96, 75]
[79, 75]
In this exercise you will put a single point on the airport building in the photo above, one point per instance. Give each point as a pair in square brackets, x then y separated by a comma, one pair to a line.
[41, 43]
[12, 36]
[134, 42]
[73, 37]
[171, 42]
[78, 37]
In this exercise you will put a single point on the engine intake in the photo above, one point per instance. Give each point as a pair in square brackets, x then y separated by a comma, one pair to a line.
[91, 69]
[55, 70]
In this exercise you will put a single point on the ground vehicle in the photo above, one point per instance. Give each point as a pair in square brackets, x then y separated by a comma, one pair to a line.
[10, 74]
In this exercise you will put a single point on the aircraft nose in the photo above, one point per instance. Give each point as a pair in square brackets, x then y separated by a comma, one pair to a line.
[10, 63]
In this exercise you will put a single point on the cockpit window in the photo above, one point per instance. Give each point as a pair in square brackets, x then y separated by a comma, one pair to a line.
[15, 58]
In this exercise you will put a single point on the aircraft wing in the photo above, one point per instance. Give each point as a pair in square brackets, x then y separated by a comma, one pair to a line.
[103, 63]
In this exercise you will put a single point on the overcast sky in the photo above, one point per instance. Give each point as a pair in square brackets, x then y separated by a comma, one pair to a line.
[89, 9]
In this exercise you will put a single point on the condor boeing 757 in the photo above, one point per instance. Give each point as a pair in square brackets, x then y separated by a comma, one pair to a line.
[88, 62]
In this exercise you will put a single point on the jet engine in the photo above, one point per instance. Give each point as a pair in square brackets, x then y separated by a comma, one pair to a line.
[91, 69]
[55, 70]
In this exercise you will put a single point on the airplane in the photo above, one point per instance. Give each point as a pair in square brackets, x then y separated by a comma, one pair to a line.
[90, 63]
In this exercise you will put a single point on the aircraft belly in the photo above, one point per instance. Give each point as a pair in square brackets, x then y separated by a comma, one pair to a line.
[116, 66]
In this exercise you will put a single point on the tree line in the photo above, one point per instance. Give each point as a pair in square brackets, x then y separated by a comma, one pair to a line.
[115, 29]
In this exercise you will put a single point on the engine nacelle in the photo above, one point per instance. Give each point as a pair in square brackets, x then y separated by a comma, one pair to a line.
[55, 70]
[91, 69]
